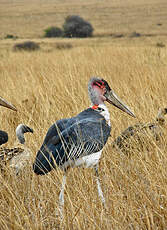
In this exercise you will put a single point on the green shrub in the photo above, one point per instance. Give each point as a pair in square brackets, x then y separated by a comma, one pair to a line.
[27, 46]
[75, 26]
[53, 32]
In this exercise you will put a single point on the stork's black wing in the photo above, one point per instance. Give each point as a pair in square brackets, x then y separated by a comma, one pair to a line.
[81, 136]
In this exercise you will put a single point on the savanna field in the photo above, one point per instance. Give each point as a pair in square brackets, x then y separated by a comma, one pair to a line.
[51, 83]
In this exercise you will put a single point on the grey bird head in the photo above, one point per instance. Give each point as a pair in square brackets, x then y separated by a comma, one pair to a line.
[20, 130]
[6, 104]
[100, 91]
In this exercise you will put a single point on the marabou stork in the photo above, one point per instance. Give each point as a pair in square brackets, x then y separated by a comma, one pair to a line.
[124, 142]
[78, 141]
[16, 157]
[3, 134]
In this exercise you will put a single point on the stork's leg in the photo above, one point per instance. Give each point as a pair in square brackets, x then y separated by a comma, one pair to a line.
[100, 193]
[61, 197]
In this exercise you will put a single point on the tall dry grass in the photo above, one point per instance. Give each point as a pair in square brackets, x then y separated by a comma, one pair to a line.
[49, 86]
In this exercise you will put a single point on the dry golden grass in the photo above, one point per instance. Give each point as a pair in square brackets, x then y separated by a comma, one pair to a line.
[51, 84]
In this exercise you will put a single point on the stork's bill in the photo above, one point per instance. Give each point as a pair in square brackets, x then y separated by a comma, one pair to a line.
[113, 99]
[6, 104]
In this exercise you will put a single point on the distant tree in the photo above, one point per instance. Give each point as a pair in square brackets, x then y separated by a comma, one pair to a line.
[53, 32]
[27, 46]
[75, 26]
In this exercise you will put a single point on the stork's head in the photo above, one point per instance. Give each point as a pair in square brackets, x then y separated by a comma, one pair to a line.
[99, 92]
[6, 104]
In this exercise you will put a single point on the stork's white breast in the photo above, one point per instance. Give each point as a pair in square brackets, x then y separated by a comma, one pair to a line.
[88, 161]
